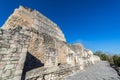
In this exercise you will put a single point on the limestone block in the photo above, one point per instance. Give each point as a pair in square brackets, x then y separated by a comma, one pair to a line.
[25, 46]
[3, 51]
[9, 79]
[1, 73]
[1, 57]
[16, 54]
[24, 50]
[6, 59]
[48, 77]
[19, 66]
[81, 67]
[2, 65]
[5, 45]
[22, 57]
[12, 50]
[18, 72]
[40, 78]
[6, 55]
[10, 66]
[13, 62]
[18, 50]
[17, 78]
[7, 73]
[11, 41]
[4, 37]
[13, 45]
[15, 58]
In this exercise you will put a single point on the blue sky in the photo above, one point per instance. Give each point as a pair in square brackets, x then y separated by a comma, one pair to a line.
[94, 23]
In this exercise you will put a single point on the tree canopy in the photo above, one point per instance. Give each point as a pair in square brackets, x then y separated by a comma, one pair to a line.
[112, 59]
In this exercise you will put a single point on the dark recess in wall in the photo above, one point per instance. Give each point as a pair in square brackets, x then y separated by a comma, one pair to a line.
[31, 62]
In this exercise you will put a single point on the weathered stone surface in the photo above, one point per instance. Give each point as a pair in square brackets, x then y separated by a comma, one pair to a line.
[3, 51]
[6, 59]
[10, 66]
[17, 78]
[33, 48]
[2, 65]
[4, 45]
[7, 73]
[18, 72]
[27, 18]
[14, 58]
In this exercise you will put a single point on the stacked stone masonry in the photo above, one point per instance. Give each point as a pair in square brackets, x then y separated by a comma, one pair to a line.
[33, 48]
[31, 18]
[13, 48]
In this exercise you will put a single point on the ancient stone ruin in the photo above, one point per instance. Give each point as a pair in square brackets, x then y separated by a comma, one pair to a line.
[32, 47]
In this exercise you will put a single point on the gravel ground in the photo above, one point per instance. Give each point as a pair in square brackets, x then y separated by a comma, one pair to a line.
[99, 71]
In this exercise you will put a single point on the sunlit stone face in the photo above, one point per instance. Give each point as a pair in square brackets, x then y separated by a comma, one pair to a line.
[32, 18]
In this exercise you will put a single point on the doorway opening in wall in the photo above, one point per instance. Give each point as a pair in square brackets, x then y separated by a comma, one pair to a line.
[31, 62]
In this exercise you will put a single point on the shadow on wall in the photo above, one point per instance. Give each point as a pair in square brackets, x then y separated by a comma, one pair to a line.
[31, 62]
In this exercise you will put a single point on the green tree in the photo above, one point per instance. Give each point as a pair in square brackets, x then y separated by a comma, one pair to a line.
[110, 60]
[116, 60]
[102, 55]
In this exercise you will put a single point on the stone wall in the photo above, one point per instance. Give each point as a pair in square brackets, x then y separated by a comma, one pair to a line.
[13, 49]
[28, 51]
[24, 49]
[26, 17]
[54, 73]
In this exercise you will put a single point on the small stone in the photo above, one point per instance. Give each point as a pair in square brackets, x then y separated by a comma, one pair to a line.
[14, 62]
[3, 51]
[2, 65]
[24, 50]
[6, 73]
[8, 62]
[18, 72]
[17, 78]
[22, 57]
[25, 46]
[20, 66]
[6, 56]
[39, 79]
[11, 41]
[13, 45]
[6, 59]
[15, 58]
[12, 50]
[16, 54]
[1, 57]
[0, 73]
[10, 66]
[5, 45]
[9, 79]
[18, 50]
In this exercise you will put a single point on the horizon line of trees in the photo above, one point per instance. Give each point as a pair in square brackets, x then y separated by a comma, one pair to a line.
[112, 59]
